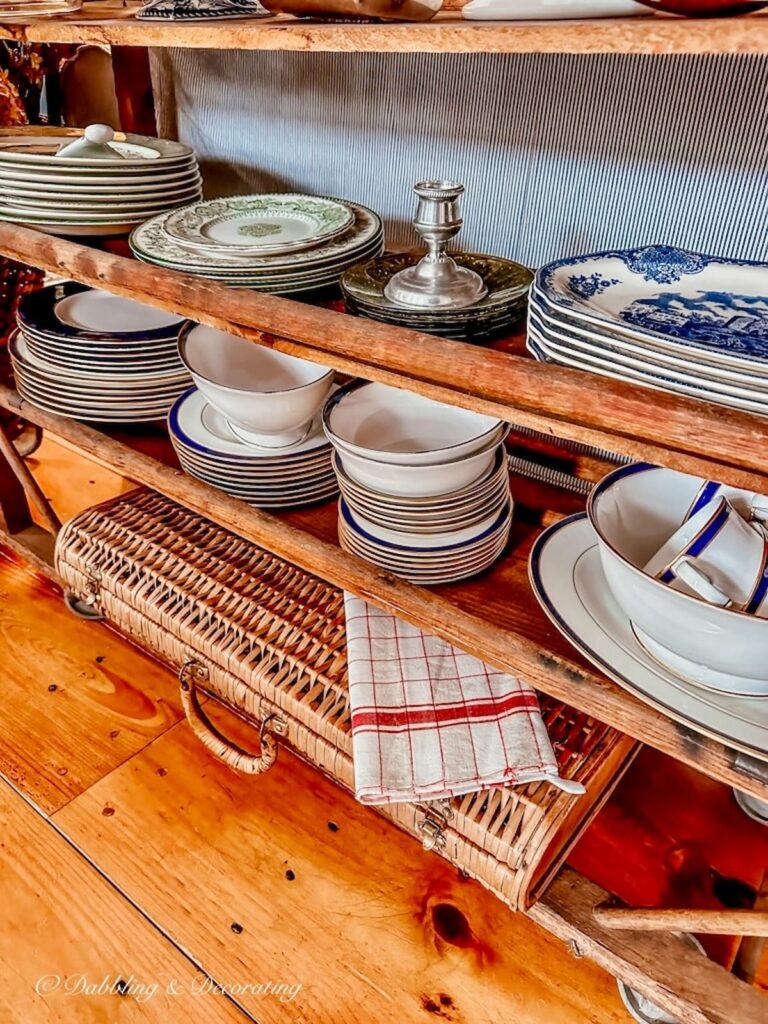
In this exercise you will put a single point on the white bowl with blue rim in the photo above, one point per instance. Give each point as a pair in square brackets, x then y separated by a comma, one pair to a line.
[269, 398]
[633, 511]
[420, 481]
[390, 425]
[462, 500]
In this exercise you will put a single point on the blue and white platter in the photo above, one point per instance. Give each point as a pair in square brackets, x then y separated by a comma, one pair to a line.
[653, 352]
[664, 293]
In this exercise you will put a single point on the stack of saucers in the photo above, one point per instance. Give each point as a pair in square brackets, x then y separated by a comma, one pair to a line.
[86, 354]
[277, 243]
[504, 305]
[252, 426]
[665, 317]
[67, 181]
[425, 486]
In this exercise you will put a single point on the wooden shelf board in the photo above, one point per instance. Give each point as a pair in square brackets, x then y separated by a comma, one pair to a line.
[682, 433]
[112, 22]
[495, 617]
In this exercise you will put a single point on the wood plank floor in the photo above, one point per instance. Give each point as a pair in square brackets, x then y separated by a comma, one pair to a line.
[66, 930]
[307, 907]
[77, 700]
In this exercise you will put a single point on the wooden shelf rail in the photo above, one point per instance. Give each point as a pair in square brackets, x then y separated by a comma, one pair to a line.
[112, 22]
[682, 433]
[497, 620]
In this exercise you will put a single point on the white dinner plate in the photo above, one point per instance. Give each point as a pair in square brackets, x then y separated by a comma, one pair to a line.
[568, 580]
[19, 349]
[59, 180]
[544, 10]
[77, 206]
[28, 146]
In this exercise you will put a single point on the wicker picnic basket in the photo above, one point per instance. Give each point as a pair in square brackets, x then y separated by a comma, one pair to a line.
[268, 640]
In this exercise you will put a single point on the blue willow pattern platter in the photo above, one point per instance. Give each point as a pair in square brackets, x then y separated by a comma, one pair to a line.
[706, 302]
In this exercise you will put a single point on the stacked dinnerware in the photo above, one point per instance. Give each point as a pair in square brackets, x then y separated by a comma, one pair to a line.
[67, 181]
[663, 584]
[86, 354]
[671, 319]
[492, 316]
[252, 426]
[425, 486]
[279, 243]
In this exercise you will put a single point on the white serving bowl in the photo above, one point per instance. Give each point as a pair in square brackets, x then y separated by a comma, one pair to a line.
[390, 425]
[270, 398]
[418, 481]
[633, 511]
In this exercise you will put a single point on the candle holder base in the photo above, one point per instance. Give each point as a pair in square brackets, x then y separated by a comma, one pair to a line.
[436, 284]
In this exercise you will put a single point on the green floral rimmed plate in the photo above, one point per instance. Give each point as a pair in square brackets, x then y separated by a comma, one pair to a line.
[259, 224]
[151, 243]
[507, 283]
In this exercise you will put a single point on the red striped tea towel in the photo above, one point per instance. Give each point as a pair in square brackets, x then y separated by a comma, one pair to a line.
[431, 722]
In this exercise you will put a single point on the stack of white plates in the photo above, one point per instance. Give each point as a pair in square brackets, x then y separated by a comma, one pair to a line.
[208, 448]
[23, 10]
[86, 191]
[671, 319]
[87, 354]
[425, 486]
[271, 243]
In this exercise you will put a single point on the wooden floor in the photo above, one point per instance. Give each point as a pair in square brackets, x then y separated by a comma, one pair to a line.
[131, 861]
[143, 881]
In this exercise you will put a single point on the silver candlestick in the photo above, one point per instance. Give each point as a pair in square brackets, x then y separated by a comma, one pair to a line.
[436, 281]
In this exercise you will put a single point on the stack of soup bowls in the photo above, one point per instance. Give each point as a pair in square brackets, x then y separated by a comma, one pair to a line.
[425, 486]
[252, 426]
[687, 613]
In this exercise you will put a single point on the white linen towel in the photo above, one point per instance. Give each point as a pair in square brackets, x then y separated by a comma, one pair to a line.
[431, 722]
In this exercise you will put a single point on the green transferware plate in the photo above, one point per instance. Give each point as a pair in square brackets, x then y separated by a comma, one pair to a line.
[151, 242]
[268, 223]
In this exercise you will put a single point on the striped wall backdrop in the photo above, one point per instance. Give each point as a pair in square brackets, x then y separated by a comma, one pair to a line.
[559, 154]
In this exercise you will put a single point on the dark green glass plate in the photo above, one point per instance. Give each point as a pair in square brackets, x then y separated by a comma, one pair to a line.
[507, 283]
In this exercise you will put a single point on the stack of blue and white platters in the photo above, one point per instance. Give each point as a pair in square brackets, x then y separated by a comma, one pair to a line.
[252, 426]
[425, 486]
[671, 319]
[83, 353]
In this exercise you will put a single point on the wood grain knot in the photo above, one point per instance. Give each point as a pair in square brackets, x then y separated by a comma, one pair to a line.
[451, 925]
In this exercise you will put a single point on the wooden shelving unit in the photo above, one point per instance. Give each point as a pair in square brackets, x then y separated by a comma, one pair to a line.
[112, 22]
[495, 617]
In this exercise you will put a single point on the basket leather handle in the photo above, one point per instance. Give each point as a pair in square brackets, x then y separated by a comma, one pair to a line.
[225, 750]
